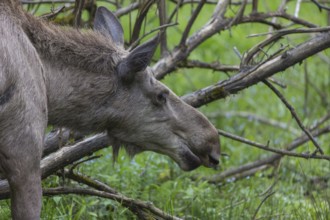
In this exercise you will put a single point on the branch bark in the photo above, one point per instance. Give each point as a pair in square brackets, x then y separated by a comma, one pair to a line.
[253, 75]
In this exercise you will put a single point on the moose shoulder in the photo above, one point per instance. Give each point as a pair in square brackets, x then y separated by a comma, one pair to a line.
[87, 81]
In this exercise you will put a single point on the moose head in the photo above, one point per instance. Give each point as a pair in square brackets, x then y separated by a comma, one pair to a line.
[149, 116]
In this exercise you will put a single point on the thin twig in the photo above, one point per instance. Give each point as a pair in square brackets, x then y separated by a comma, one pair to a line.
[53, 14]
[76, 164]
[135, 43]
[162, 21]
[191, 22]
[294, 31]
[272, 149]
[86, 180]
[239, 15]
[321, 121]
[143, 12]
[215, 66]
[47, 2]
[295, 116]
[123, 11]
[276, 35]
[320, 6]
[262, 202]
[220, 177]
[79, 6]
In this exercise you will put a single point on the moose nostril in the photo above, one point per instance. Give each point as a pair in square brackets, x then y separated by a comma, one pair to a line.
[213, 160]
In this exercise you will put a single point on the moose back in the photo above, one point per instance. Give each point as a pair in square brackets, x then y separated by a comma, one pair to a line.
[85, 80]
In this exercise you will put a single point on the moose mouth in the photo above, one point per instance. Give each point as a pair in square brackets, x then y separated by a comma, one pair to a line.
[190, 160]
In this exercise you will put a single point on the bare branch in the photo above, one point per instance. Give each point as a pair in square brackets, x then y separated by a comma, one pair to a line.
[294, 31]
[250, 76]
[79, 5]
[254, 6]
[215, 66]
[143, 11]
[68, 154]
[83, 179]
[194, 2]
[320, 6]
[220, 9]
[272, 149]
[216, 24]
[294, 115]
[265, 161]
[190, 23]
[162, 21]
[321, 121]
[145, 210]
[30, 2]
[239, 15]
[55, 139]
[53, 14]
[262, 202]
[123, 11]
[161, 28]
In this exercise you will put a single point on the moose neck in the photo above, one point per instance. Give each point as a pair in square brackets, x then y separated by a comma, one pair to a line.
[78, 72]
[83, 49]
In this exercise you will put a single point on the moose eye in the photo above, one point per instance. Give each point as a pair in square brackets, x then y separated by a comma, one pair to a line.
[161, 97]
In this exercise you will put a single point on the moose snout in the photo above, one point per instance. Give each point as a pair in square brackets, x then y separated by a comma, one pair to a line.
[212, 152]
[210, 159]
[213, 159]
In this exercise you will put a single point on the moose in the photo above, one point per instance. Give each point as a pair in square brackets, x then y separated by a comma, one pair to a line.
[85, 80]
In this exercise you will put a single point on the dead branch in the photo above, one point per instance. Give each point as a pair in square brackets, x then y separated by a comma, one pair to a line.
[55, 139]
[126, 10]
[248, 77]
[273, 149]
[190, 23]
[215, 66]
[265, 161]
[262, 202]
[163, 21]
[79, 5]
[86, 180]
[275, 37]
[133, 205]
[215, 25]
[31, 2]
[295, 116]
[144, 210]
[320, 6]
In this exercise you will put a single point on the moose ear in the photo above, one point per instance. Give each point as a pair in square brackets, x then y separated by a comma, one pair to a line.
[138, 59]
[108, 25]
